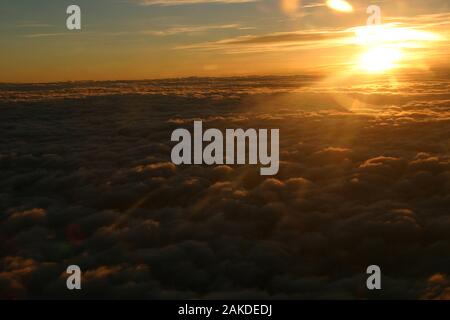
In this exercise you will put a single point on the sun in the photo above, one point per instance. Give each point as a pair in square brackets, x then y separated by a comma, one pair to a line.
[380, 59]
[387, 47]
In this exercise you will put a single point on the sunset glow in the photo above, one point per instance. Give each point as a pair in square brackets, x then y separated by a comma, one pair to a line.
[253, 37]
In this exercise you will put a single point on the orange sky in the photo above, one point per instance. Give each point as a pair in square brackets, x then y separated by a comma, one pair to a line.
[170, 38]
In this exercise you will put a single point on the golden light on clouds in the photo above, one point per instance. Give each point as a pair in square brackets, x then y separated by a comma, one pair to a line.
[368, 35]
[340, 5]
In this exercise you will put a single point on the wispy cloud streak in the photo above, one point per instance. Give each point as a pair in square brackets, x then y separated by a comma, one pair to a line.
[193, 29]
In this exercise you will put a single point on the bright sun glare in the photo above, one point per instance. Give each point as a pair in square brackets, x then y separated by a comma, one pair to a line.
[380, 59]
[385, 46]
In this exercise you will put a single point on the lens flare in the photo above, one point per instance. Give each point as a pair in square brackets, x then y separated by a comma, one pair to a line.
[340, 5]
[290, 6]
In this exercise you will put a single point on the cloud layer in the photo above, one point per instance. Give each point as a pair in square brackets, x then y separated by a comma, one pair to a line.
[86, 179]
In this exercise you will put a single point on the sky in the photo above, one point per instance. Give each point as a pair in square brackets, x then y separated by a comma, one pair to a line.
[146, 39]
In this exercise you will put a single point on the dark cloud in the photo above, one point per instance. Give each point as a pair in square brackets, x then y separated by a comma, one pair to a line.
[86, 179]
